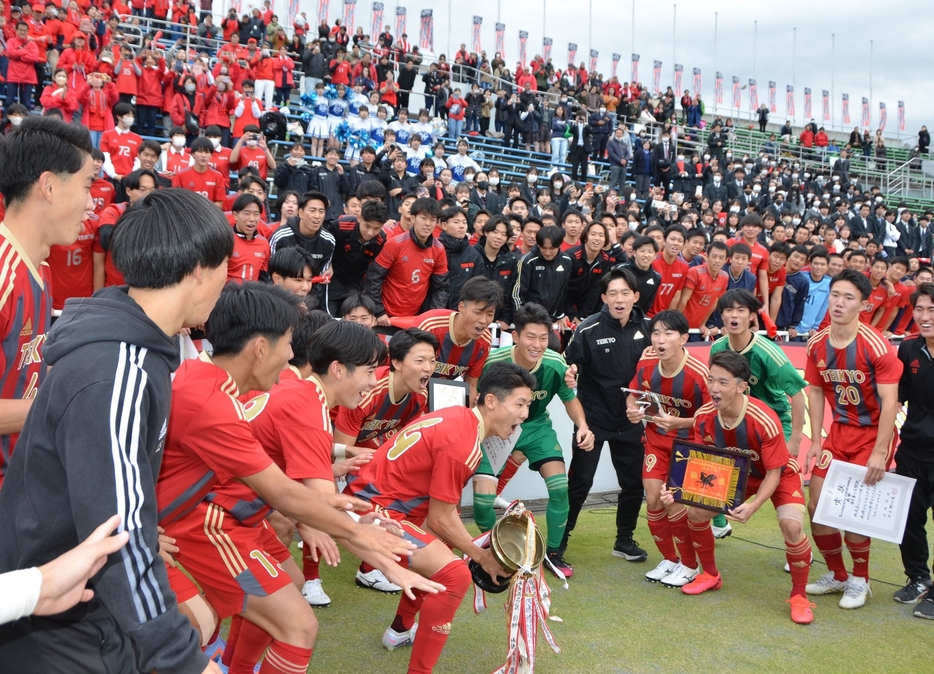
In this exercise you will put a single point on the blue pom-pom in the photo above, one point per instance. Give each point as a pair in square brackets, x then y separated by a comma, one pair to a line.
[309, 99]
[306, 117]
[360, 139]
[342, 132]
[330, 92]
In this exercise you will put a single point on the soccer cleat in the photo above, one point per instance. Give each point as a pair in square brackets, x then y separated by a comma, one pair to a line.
[629, 550]
[855, 593]
[801, 612]
[680, 576]
[500, 503]
[703, 583]
[788, 568]
[557, 560]
[721, 532]
[925, 607]
[314, 594]
[375, 580]
[913, 591]
[826, 584]
[661, 571]
[393, 640]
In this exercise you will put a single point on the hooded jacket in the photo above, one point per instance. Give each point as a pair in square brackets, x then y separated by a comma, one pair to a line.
[91, 447]
[464, 262]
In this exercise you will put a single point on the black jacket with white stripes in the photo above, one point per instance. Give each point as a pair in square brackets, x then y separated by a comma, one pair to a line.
[320, 246]
[92, 447]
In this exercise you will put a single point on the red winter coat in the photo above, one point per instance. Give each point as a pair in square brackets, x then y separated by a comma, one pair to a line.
[282, 71]
[149, 87]
[78, 63]
[218, 107]
[263, 69]
[52, 99]
[181, 104]
[340, 72]
[96, 107]
[23, 55]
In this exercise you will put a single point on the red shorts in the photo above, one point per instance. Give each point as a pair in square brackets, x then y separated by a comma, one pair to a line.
[181, 584]
[229, 561]
[657, 456]
[790, 489]
[852, 444]
[411, 532]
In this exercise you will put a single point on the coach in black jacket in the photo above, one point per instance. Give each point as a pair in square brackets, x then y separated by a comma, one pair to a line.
[604, 352]
[543, 274]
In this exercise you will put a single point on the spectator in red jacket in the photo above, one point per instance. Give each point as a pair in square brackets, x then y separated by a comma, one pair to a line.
[77, 60]
[230, 25]
[97, 99]
[264, 77]
[149, 96]
[187, 100]
[23, 55]
[340, 68]
[821, 140]
[282, 71]
[60, 96]
[126, 75]
[219, 104]
[457, 110]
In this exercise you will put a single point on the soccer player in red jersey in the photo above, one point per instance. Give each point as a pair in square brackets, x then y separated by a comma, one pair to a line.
[138, 184]
[417, 480]
[750, 227]
[851, 364]
[898, 301]
[223, 539]
[95, 449]
[120, 145]
[72, 267]
[251, 150]
[673, 269]
[411, 271]
[201, 178]
[250, 259]
[48, 210]
[463, 335]
[778, 256]
[220, 158]
[680, 380]
[703, 287]
[878, 294]
[736, 420]
[102, 190]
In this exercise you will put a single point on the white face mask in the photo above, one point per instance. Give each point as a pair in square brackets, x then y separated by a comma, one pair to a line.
[756, 189]
[468, 178]
[716, 180]
[532, 179]
[16, 121]
[734, 209]
[252, 143]
[602, 111]
[796, 221]
[216, 142]
[178, 141]
[494, 181]
[128, 120]
[190, 88]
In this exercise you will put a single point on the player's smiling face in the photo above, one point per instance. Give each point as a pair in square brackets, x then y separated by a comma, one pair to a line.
[476, 317]
[416, 368]
[275, 356]
[736, 319]
[532, 342]
[352, 383]
[674, 242]
[924, 316]
[723, 387]
[845, 302]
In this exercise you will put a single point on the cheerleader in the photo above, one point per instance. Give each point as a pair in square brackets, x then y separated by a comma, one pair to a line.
[423, 128]
[337, 108]
[318, 126]
[359, 127]
[402, 128]
[378, 125]
[415, 153]
[356, 99]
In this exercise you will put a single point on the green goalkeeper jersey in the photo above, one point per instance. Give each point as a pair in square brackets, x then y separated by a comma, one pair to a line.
[549, 380]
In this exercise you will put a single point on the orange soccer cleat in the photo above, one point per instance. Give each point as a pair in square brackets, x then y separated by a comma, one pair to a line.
[703, 583]
[801, 612]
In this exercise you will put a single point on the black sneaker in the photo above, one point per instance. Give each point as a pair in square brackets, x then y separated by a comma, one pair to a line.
[913, 591]
[925, 607]
[629, 550]
[556, 557]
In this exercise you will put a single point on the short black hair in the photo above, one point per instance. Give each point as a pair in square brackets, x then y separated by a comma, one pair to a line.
[925, 289]
[165, 235]
[860, 281]
[371, 189]
[675, 229]
[644, 241]
[346, 342]
[405, 340]
[121, 109]
[355, 300]
[38, 145]
[290, 262]
[751, 219]
[738, 297]
[780, 247]
[820, 251]
[132, 180]
[501, 379]
[374, 211]
[482, 290]
[313, 196]
[201, 144]
[281, 197]
[248, 310]
[150, 145]
[740, 249]
[670, 319]
[427, 206]
[244, 200]
[531, 314]
[619, 274]
[732, 362]
[308, 324]
[551, 234]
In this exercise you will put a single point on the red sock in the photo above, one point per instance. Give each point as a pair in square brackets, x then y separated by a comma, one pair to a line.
[405, 614]
[437, 613]
[661, 534]
[283, 658]
[309, 566]
[831, 548]
[366, 568]
[235, 623]
[799, 561]
[703, 540]
[251, 644]
[681, 533]
[509, 470]
[860, 554]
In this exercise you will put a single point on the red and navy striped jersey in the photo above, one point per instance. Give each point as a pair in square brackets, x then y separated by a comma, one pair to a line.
[454, 360]
[432, 458]
[682, 393]
[25, 314]
[850, 374]
[378, 417]
[757, 432]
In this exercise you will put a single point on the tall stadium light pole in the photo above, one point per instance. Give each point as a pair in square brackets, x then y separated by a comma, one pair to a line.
[715, 19]
[870, 83]
[544, 19]
[833, 98]
[674, 38]
[632, 41]
[450, 51]
[755, 47]
[590, 29]
[499, 7]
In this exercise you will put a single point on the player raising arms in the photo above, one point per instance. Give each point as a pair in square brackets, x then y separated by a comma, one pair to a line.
[417, 479]
[850, 363]
[398, 398]
[680, 380]
[538, 441]
[735, 420]
[223, 539]
[463, 335]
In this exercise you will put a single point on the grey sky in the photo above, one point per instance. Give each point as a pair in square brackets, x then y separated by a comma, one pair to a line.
[898, 67]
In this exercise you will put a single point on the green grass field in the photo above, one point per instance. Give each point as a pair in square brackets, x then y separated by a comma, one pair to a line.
[615, 621]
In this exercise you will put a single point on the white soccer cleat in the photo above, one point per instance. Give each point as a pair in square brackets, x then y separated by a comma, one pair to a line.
[663, 569]
[314, 594]
[393, 640]
[500, 503]
[375, 580]
[826, 584]
[681, 576]
[855, 593]
[721, 532]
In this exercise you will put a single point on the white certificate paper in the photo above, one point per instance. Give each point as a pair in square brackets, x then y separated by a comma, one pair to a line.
[848, 503]
[498, 450]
